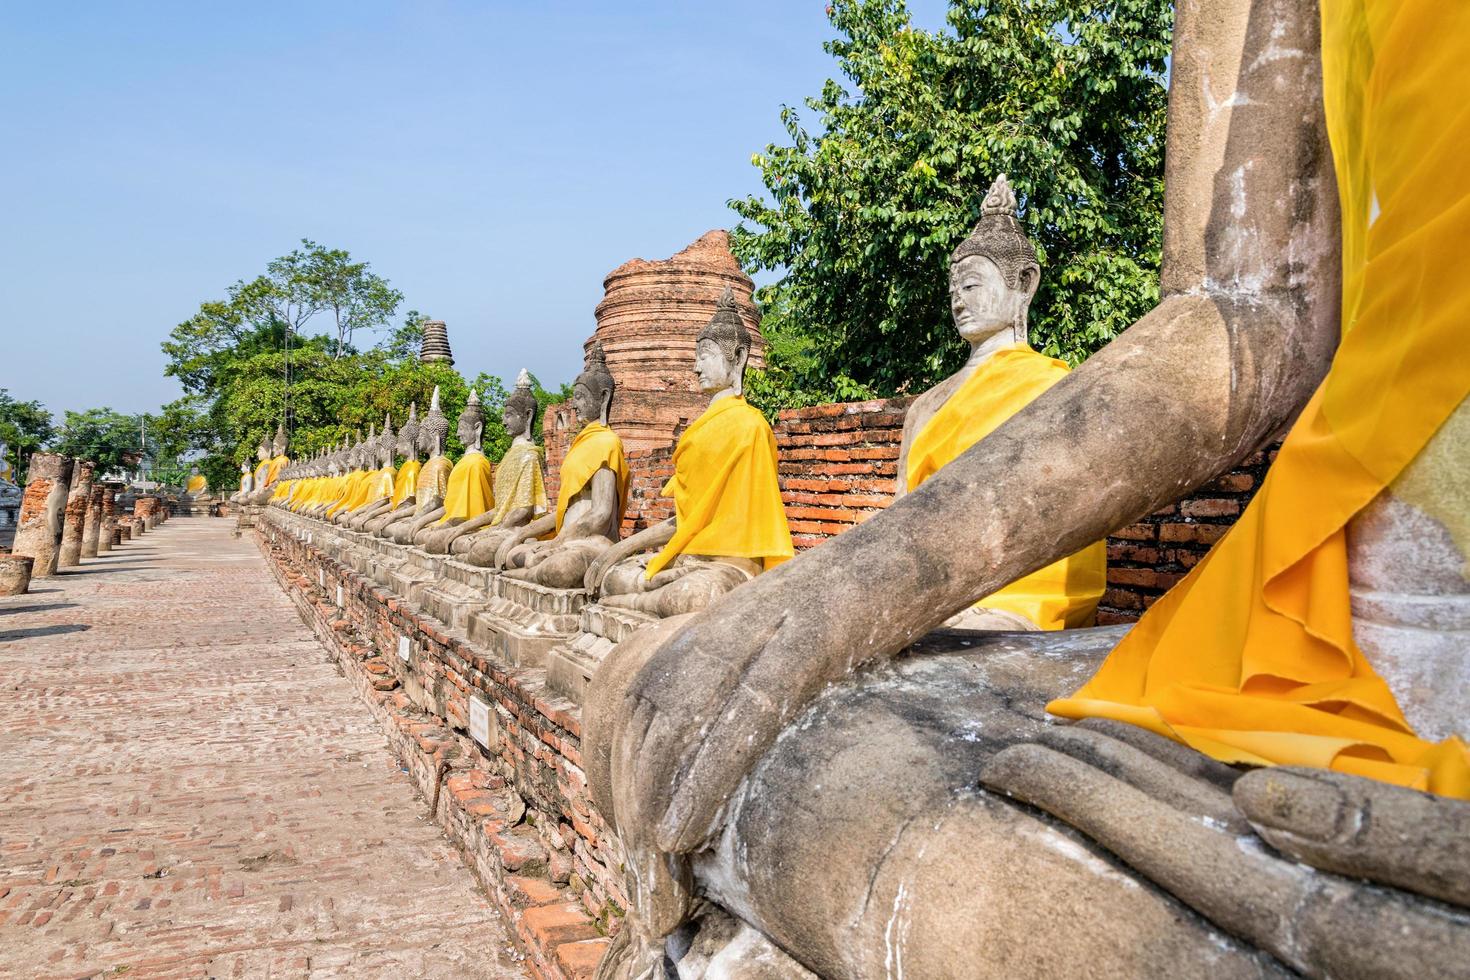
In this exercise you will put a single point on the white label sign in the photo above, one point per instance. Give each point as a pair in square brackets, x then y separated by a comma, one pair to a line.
[480, 720]
[321, 578]
[403, 648]
[339, 597]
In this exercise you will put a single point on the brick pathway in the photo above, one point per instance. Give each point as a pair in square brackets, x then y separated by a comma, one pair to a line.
[189, 789]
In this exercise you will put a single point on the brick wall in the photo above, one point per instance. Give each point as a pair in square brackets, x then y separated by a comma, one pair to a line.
[838, 463]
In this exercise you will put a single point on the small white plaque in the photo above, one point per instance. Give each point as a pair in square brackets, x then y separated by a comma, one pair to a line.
[403, 648]
[339, 597]
[480, 720]
[308, 537]
[321, 578]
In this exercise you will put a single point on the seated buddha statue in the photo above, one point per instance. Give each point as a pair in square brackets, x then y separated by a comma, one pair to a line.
[433, 479]
[377, 488]
[519, 490]
[265, 478]
[261, 471]
[468, 492]
[334, 487]
[247, 483]
[401, 504]
[993, 275]
[729, 524]
[1251, 787]
[590, 500]
[196, 485]
[400, 484]
[360, 466]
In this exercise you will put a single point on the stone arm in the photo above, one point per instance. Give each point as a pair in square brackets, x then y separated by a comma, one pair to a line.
[1244, 334]
[647, 539]
[529, 532]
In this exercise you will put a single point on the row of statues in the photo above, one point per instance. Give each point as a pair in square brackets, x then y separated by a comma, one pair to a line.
[1263, 777]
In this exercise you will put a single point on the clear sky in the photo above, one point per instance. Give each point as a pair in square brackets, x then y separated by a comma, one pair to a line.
[493, 160]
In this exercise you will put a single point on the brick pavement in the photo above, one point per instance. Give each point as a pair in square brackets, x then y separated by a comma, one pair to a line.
[189, 789]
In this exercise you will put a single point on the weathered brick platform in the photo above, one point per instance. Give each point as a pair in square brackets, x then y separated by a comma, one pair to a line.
[191, 789]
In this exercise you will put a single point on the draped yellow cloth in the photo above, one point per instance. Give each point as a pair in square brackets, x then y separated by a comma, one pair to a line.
[283, 489]
[594, 447]
[1064, 594]
[468, 493]
[403, 486]
[433, 483]
[276, 465]
[353, 489]
[380, 485]
[519, 482]
[1251, 658]
[197, 483]
[727, 497]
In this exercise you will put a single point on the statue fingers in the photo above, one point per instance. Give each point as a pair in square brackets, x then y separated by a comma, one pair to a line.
[1174, 754]
[1318, 924]
[1363, 828]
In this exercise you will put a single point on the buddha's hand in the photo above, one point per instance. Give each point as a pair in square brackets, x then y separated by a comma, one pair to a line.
[694, 715]
[1168, 813]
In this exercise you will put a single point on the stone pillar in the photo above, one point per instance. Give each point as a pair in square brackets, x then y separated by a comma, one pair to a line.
[15, 574]
[108, 534]
[78, 502]
[124, 529]
[39, 528]
[92, 527]
[143, 507]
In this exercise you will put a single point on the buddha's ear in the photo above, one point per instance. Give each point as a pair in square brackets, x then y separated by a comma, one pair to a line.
[602, 415]
[737, 380]
[1029, 278]
[479, 432]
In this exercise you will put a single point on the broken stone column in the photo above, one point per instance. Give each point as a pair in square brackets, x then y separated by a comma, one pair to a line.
[144, 509]
[39, 528]
[78, 502]
[107, 536]
[92, 528]
[15, 574]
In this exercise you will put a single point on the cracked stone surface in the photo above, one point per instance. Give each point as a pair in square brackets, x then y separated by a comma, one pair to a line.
[191, 789]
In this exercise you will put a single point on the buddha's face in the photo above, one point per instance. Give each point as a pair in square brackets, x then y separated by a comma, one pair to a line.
[262, 452]
[981, 302]
[586, 402]
[407, 441]
[714, 370]
[515, 419]
[468, 430]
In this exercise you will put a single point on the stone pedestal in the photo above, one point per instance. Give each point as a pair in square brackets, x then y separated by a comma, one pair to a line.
[92, 526]
[39, 531]
[522, 621]
[74, 520]
[571, 664]
[461, 591]
[108, 536]
[15, 574]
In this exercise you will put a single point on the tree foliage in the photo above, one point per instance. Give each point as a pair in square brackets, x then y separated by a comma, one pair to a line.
[112, 440]
[25, 427]
[1067, 97]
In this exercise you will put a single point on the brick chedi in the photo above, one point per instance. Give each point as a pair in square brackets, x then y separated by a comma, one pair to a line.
[435, 346]
[650, 315]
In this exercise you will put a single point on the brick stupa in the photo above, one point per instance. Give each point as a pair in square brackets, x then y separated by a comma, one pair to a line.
[649, 318]
[435, 346]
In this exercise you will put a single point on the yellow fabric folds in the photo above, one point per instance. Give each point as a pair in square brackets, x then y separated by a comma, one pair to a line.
[380, 485]
[353, 488]
[727, 498]
[1064, 594]
[1251, 658]
[596, 446]
[519, 482]
[197, 483]
[408, 475]
[468, 493]
[276, 465]
[433, 483]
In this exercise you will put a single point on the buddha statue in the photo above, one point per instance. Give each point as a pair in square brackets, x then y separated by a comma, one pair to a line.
[7, 474]
[433, 479]
[590, 500]
[401, 504]
[519, 490]
[729, 524]
[261, 473]
[779, 775]
[993, 275]
[467, 493]
[360, 465]
[247, 483]
[196, 484]
[334, 486]
[265, 479]
[376, 491]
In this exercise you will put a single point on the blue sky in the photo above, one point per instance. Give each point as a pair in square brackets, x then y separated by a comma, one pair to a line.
[494, 160]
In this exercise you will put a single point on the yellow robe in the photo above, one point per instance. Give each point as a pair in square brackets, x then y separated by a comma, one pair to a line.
[353, 490]
[518, 481]
[197, 483]
[468, 493]
[594, 447]
[262, 470]
[432, 484]
[379, 486]
[1251, 658]
[1065, 593]
[276, 465]
[727, 496]
[408, 475]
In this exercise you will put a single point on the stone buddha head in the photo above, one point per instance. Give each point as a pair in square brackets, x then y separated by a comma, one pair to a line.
[263, 451]
[387, 442]
[434, 429]
[408, 436]
[278, 447]
[471, 423]
[519, 414]
[593, 390]
[723, 348]
[993, 274]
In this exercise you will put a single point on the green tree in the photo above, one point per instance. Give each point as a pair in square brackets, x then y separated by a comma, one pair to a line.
[1067, 97]
[25, 427]
[404, 343]
[110, 439]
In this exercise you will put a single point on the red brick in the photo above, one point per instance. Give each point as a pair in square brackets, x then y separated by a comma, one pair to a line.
[1210, 507]
[579, 959]
[526, 891]
[549, 926]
